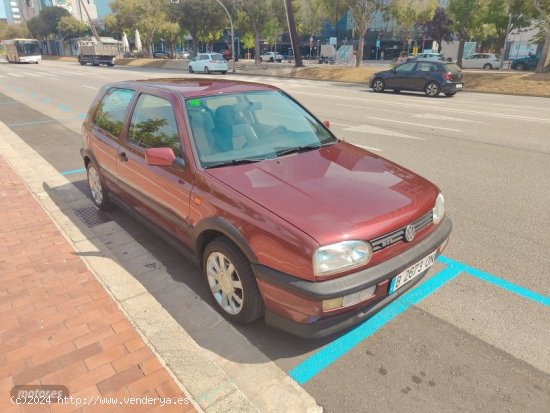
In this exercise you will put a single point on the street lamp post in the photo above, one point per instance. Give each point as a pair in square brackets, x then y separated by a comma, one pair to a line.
[232, 34]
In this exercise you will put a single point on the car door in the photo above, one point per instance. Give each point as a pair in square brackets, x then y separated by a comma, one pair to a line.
[423, 73]
[402, 77]
[160, 193]
[468, 62]
[106, 128]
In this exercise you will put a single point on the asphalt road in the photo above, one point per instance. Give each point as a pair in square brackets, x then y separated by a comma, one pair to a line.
[479, 341]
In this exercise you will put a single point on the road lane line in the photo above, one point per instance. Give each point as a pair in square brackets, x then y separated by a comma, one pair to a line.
[90, 87]
[415, 124]
[376, 130]
[440, 108]
[15, 74]
[369, 148]
[333, 351]
[499, 282]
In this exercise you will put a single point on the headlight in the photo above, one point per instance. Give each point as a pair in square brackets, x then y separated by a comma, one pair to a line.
[342, 256]
[439, 209]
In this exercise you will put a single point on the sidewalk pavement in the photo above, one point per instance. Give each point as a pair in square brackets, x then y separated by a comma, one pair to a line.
[59, 326]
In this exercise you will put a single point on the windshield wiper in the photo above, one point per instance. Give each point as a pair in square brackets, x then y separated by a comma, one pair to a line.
[304, 148]
[232, 162]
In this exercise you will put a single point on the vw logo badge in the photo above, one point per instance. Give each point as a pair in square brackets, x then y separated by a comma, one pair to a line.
[409, 233]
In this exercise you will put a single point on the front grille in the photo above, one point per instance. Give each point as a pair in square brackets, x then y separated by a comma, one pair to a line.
[399, 235]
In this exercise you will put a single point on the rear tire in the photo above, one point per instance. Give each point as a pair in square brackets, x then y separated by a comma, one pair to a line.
[223, 72]
[432, 89]
[232, 282]
[190, 69]
[206, 70]
[488, 66]
[378, 85]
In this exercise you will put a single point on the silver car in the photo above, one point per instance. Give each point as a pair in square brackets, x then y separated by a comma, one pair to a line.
[208, 63]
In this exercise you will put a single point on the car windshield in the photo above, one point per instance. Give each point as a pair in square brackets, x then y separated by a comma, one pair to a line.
[249, 127]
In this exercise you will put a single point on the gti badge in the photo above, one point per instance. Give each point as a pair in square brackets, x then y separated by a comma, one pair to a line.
[409, 233]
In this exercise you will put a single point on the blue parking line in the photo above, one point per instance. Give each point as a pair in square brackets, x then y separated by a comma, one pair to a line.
[317, 362]
[73, 171]
[63, 107]
[499, 282]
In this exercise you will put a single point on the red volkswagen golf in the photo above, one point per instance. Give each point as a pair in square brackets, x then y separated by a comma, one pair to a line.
[286, 221]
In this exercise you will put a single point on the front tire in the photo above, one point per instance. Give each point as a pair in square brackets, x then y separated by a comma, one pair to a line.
[97, 189]
[488, 66]
[190, 69]
[378, 85]
[432, 89]
[223, 72]
[206, 70]
[232, 282]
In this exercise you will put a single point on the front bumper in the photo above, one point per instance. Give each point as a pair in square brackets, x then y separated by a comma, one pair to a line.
[378, 275]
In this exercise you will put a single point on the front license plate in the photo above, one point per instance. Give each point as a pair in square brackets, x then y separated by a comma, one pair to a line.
[412, 272]
[458, 85]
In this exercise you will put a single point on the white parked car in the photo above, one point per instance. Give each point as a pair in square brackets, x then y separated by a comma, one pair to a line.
[271, 57]
[207, 63]
[485, 61]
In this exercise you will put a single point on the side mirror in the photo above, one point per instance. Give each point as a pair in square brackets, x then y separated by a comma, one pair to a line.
[327, 124]
[160, 156]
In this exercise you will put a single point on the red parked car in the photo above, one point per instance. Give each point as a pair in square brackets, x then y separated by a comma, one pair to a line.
[286, 221]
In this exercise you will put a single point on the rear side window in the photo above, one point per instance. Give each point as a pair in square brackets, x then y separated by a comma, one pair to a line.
[452, 68]
[154, 125]
[112, 109]
[426, 67]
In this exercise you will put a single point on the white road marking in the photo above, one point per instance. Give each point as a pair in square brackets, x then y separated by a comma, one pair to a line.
[90, 87]
[369, 148]
[341, 124]
[441, 108]
[15, 74]
[32, 74]
[415, 124]
[381, 131]
[442, 117]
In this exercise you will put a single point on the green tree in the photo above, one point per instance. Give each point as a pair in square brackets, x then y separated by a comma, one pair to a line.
[499, 17]
[45, 24]
[259, 13]
[69, 28]
[543, 8]
[412, 14]
[439, 28]
[465, 15]
[362, 12]
[14, 31]
[148, 16]
[171, 32]
[201, 18]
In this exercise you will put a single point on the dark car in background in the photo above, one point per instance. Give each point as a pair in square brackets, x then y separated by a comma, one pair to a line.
[285, 220]
[428, 76]
[525, 63]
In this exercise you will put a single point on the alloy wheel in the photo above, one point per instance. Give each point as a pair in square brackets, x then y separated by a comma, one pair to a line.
[95, 185]
[225, 283]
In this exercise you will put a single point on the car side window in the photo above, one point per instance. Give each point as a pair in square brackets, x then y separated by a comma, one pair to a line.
[425, 67]
[405, 67]
[153, 125]
[111, 111]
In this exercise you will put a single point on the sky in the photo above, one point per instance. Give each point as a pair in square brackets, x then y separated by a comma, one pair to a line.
[2, 10]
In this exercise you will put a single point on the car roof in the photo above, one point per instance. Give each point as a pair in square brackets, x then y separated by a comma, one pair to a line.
[192, 88]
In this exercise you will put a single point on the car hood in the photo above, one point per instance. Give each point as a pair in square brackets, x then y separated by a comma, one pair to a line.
[334, 193]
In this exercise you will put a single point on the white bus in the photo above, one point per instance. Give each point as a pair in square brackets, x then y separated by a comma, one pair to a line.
[22, 51]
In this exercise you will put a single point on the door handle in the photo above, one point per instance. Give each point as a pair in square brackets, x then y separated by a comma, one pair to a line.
[123, 157]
